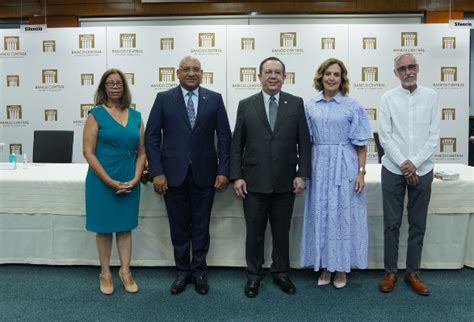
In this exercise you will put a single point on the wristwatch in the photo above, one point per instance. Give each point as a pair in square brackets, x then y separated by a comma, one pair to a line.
[362, 169]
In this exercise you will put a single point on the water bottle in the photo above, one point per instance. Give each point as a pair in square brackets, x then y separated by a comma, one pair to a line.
[25, 161]
[12, 159]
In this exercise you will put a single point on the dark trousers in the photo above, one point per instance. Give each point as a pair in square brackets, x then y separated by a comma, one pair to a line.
[189, 212]
[259, 208]
[393, 190]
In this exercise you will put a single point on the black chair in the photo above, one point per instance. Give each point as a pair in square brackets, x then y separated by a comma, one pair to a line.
[53, 146]
[380, 151]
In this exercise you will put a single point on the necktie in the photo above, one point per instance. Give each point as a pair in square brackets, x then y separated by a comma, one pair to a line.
[272, 112]
[190, 109]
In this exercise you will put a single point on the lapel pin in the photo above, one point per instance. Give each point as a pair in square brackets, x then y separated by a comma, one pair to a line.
[285, 102]
[204, 97]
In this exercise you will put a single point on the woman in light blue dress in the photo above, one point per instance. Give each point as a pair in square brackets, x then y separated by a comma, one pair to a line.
[113, 145]
[335, 217]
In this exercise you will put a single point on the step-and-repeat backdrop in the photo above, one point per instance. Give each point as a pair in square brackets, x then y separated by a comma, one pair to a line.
[48, 79]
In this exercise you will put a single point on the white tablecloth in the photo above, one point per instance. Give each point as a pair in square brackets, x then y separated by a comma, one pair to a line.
[42, 222]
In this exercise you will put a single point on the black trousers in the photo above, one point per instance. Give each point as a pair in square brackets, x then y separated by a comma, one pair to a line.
[189, 211]
[393, 190]
[259, 208]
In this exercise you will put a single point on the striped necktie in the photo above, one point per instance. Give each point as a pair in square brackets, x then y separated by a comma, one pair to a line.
[190, 109]
[272, 112]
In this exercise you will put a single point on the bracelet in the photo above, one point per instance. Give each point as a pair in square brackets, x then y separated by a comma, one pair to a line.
[362, 169]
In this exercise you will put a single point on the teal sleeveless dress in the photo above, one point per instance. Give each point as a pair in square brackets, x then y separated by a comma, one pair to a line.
[116, 150]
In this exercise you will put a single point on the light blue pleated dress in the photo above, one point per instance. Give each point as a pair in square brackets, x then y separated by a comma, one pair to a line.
[116, 150]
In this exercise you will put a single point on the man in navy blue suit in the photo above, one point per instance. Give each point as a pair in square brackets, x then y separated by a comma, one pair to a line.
[188, 166]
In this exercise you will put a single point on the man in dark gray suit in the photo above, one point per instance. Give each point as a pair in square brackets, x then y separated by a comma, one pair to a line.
[270, 159]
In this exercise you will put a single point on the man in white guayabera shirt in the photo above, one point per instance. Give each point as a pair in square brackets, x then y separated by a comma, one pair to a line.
[409, 134]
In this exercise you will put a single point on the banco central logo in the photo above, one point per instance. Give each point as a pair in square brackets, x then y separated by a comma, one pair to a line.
[290, 78]
[208, 78]
[371, 113]
[14, 112]
[84, 110]
[370, 74]
[50, 115]
[369, 43]
[206, 39]
[128, 40]
[130, 77]
[447, 145]
[86, 41]
[49, 46]
[49, 76]
[166, 43]
[248, 74]
[166, 74]
[288, 39]
[409, 39]
[87, 79]
[16, 148]
[448, 43]
[449, 74]
[371, 146]
[328, 43]
[13, 80]
[247, 43]
[11, 43]
[448, 114]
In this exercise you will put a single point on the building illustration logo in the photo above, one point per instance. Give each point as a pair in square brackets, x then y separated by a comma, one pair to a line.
[328, 43]
[130, 77]
[84, 110]
[206, 39]
[288, 39]
[371, 114]
[248, 74]
[247, 43]
[86, 41]
[371, 146]
[409, 39]
[13, 80]
[290, 78]
[49, 46]
[49, 76]
[87, 79]
[16, 148]
[448, 43]
[448, 114]
[447, 145]
[369, 43]
[128, 40]
[370, 74]
[208, 78]
[11, 43]
[14, 112]
[166, 43]
[166, 74]
[449, 74]
[50, 115]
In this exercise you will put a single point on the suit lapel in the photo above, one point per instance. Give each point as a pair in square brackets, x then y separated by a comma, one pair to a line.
[180, 106]
[260, 110]
[282, 111]
[202, 102]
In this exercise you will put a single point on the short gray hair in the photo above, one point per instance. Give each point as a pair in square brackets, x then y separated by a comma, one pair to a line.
[399, 57]
[186, 58]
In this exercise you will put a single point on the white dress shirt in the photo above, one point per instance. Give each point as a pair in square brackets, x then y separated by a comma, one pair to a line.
[409, 128]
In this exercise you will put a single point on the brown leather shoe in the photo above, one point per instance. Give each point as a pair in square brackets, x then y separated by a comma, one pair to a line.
[388, 282]
[416, 284]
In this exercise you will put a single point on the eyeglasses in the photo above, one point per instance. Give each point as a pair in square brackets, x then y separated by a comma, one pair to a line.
[270, 72]
[114, 84]
[405, 68]
[189, 69]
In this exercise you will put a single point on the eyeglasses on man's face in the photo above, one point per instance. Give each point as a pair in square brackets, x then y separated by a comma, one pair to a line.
[405, 68]
[190, 69]
[270, 72]
[114, 84]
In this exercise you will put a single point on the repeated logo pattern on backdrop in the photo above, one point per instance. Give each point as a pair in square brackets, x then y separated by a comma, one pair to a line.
[48, 80]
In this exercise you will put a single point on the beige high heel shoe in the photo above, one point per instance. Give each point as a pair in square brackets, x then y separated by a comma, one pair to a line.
[128, 283]
[324, 278]
[106, 283]
[340, 280]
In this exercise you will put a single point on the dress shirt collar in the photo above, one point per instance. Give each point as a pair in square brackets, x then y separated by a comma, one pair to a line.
[185, 91]
[266, 97]
[337, 98]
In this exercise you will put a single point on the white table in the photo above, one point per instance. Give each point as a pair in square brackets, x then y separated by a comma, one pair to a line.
[42, 222]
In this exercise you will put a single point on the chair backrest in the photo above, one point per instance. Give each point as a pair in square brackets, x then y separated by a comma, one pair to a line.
[380, 151]
[53, 146]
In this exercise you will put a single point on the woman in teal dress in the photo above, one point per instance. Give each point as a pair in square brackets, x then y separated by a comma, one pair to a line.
[113, 145]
